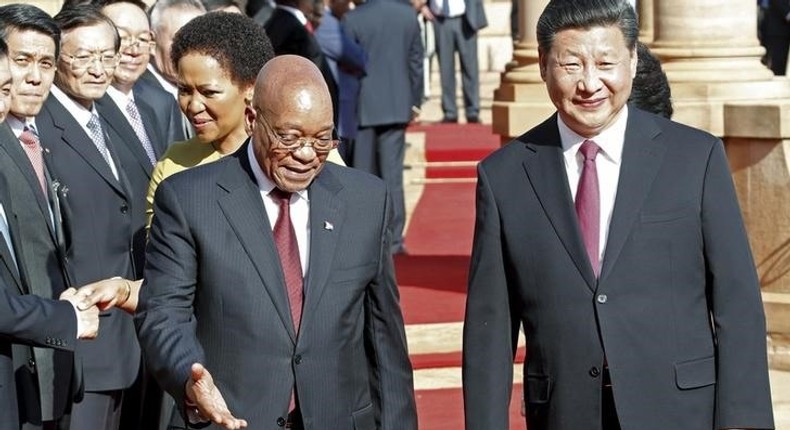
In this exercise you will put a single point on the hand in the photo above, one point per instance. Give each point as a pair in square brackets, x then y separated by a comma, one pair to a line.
[206, 398]
[87, 314]
[108, 293]
[426, 13]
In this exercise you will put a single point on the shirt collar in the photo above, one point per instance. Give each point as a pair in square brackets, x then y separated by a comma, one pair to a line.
[610, 140]
[80, 113]
[265, 184]
[120, 99]
[18, 125]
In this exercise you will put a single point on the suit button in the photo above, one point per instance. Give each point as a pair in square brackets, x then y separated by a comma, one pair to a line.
[31, 363]
[298, 359]
[124, 208]
[594, 372]
[601, 298]
[281, 422]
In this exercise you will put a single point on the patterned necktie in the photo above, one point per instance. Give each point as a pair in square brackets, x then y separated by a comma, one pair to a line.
[32, 147]
[139, 130]
[588, 204]
[288, 249]
[97, 136]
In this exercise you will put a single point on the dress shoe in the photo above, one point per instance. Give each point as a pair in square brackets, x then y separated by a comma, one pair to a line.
[447, 120]
[473, 120]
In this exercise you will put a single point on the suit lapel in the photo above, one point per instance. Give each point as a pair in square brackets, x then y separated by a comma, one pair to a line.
[13, 267]
[327, 214]
[545, 167]
[148, 116]
[15, 152]
[242, 205]
[73, 135]
[642, 157]
[118, 122]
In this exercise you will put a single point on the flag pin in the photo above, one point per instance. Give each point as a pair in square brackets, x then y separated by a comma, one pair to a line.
[328, 226]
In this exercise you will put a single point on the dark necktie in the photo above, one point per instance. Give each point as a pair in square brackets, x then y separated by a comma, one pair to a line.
[32, 147]
[97, 136]
[588, 203]
[288, 248]
[139, 130]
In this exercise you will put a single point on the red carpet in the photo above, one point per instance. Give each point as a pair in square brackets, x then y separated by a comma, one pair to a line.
[433, 275]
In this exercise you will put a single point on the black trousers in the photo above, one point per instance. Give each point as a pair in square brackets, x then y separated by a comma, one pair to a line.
[608, 410]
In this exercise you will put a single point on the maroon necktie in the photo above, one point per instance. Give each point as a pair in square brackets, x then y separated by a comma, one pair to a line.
[32, 147]
[288, 248]
[588, 203]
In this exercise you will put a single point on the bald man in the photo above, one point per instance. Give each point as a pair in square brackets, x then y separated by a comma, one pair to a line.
[270, 297]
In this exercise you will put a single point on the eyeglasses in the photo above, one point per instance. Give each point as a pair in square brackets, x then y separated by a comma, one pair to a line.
[83, 61]
[144, 40]
[289, 143]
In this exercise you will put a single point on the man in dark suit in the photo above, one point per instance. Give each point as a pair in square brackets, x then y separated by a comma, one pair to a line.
[294, 343]
[291, 32]
[455, 25]
[38, 334]
[775, 34]
[615, 238]
[390, 94]
[157, 110]
[106, 222]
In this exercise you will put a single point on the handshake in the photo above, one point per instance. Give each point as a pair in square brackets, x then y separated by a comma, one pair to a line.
[90, 299]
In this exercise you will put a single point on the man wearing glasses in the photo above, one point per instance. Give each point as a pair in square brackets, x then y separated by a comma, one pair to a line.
[89, 159]
[269, 297]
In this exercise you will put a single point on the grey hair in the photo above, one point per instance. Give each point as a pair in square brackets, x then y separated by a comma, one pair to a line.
[158, 9]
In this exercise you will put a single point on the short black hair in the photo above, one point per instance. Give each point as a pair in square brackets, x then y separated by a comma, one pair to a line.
[237, 42]
[650, 90]
[3, 49]
[568, 14]
[84, 15]
[23, 17]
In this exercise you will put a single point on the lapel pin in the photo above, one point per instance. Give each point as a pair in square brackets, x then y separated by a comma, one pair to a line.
[328, 226]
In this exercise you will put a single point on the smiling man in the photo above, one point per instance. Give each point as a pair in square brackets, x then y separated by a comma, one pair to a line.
[614, 237]
[270, 297]
[103, 219]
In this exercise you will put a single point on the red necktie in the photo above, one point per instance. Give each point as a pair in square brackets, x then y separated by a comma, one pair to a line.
[588, 203]
[32, 147]
[288, 248]
[309, 26]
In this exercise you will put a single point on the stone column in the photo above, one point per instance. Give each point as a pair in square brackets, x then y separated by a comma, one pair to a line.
[644, 8]
[521, 89]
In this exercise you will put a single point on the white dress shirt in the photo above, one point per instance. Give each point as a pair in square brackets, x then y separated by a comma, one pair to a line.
[607, 163]
[169, 87]
[300, 209]
[82, 116]
[122, 101]
[455, 8]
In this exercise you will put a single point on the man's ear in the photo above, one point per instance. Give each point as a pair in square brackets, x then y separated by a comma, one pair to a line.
[249, 119]
[542, 64]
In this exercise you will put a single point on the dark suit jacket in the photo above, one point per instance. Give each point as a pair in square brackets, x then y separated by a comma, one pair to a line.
[168, 116]
[103, 224]
[475, 15]
[393, 83]
[677, 306]
[289, 36]
[27, 320]
[214, 293]
[42, 268]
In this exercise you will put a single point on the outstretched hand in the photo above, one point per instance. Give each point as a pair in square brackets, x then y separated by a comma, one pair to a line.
[206, 400]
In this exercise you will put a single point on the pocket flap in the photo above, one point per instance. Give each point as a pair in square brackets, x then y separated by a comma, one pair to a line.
[538, 388]
[364, 419]
[695, 373]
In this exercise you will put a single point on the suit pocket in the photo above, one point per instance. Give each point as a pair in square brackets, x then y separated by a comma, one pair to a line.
[538, 389]
[364, 419]
[695, 373]
[669, 215]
